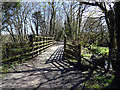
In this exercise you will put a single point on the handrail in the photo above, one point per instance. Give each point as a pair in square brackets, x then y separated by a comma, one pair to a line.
[71, 45]
[35, 47]
[72, 50]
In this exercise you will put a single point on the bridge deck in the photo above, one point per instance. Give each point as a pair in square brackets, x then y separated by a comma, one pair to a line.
[47, 70]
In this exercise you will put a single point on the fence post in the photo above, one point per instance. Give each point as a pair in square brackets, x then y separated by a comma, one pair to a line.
[47, 42]
[53, 41]
[79, 54]
[37, 40]
[64, 47]
[43, 43]
[40, 44]
[40, 39]
[31, 43]
[7, 50]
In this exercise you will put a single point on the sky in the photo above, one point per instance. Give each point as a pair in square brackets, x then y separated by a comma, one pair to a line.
[54, 0]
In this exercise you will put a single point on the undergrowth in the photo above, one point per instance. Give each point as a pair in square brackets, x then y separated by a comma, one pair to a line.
[99, 82]
[4, 68]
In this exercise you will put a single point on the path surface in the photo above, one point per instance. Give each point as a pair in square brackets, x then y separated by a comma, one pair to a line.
[47, 70]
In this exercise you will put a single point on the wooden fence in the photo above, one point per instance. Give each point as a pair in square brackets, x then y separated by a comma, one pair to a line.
[36, 45]
[72, 52]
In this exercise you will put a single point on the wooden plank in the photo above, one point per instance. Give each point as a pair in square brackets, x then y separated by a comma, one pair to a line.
[28, 48]
[71, 52]
[42, 37]
[35, 55]
[75, 48]
[38, 46]
[17, 56]
[11, 58]
[45, 44]
[68, 60]
[21, 50]
[70, 56]
[71, 45]
[91, 63]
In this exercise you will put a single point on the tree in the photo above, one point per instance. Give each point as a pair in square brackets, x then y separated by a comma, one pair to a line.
[113, 22]
[52, 19]
[117, 23]
[74, 12]
[0, 30]
[111, 28]
[9, 8]
[38, 21]
[67, 23]
[93, 32]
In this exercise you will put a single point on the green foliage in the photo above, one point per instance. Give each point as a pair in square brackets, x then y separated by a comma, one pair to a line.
[100, 50]
[98, 82]
[4, 68]
[7, 67]
[86, 55]
[8, 9]
[69, 42]
[19, 55]
[38, 20]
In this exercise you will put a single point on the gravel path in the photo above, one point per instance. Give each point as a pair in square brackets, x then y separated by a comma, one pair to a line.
[48, 70]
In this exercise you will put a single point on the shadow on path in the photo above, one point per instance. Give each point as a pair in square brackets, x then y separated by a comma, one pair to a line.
[57, 60]
[58, 74]
[71, 77]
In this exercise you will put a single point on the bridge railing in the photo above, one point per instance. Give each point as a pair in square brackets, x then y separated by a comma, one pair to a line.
[72, 52]
[36, 45]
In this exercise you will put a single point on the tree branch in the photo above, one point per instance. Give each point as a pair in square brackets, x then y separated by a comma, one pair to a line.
[96, 4]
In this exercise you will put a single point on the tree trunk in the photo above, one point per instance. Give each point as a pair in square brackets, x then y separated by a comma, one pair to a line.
[68, 23]
[0, 32]
[117, 19]
[71, 14]
[79, 18]
[11, 33]
[37, 29]
[51, 25]
[32, 28]
[110, 23]
[51, 20]
[44, 30]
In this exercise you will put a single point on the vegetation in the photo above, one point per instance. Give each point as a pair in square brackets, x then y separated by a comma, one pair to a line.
[99, 82]
[14, 54]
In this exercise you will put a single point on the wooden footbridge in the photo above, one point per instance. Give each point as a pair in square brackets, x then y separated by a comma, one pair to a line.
[48, 66]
